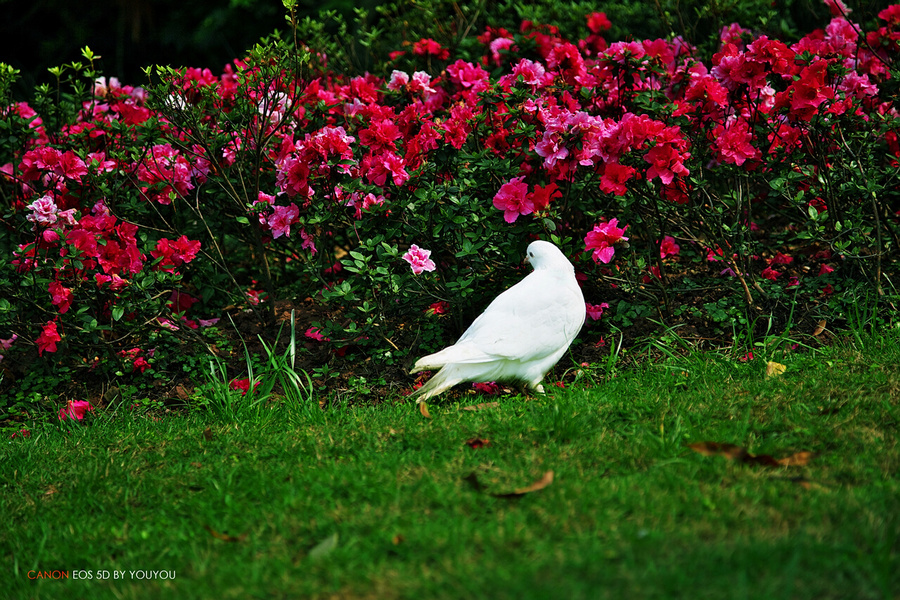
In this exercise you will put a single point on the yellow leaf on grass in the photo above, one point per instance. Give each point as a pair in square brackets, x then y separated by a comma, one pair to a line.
[774, 368]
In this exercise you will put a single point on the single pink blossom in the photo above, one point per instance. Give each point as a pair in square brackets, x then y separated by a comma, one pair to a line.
[418, 259]
[770, 273]
[595, 311]
[46, 342]
[513, 199]
[313, 333]
[602, 239]
[282, 218]
[75, 410]
[668, 247]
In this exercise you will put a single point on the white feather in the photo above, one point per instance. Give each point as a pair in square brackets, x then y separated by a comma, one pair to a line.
[520, 335]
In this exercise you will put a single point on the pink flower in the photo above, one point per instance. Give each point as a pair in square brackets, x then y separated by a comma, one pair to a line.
[282, 218]
[595, 311]
[313, 333]
[532, 73]
[61, 296]
[825, 269]
[418, 259]
[770, 273]
[44, 211]
[668, 247]
[602, 238]
[665, 162]
[513, 199]
[75, 410]
[398, 81]
[46, 342]
[733, 143]
[7, 344]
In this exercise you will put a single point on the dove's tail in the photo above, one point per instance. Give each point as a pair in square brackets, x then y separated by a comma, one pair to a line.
[443, 380]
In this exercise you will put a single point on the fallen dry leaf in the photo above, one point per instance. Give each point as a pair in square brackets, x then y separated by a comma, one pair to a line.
[196, 465]
[540, 484]
[820, 327]
[224, 536]
[477, 443]
[800, 459]
[729, 451]
[741, 455]
[423, 408]
[398, 539]
[207, 434]
[482, 406]
[182, 393]
[774, 368]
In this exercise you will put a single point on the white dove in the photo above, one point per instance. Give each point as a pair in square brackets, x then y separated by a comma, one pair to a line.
[520, 335]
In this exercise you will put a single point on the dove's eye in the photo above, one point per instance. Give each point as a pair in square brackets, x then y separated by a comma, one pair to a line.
[531, 254]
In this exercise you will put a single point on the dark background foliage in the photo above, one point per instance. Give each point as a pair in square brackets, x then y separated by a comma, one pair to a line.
[131, 34]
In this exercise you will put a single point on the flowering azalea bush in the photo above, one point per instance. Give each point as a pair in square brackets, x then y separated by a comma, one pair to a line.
[135, 216]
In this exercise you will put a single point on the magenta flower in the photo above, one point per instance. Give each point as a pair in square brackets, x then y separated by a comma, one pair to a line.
[595, 311]
[75, 410]
[513, 199]
[60, 296]
[602, 239]
[46, 342]
[668, 247]
[282, 218]
[770, 273]
[825, 269]
[418, 259]
[313, 333]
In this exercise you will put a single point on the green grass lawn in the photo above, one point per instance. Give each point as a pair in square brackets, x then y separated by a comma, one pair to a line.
[376, 502]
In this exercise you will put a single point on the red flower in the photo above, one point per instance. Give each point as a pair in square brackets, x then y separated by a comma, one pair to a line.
[668, 247]
[61, 296]
[429, 47]
[614, 177]
[75, 410]
[46, 342]
[770, 273]
[541, 196]
[597, 22]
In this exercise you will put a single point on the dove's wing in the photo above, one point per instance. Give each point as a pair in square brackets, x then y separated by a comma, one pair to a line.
[531, 320]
